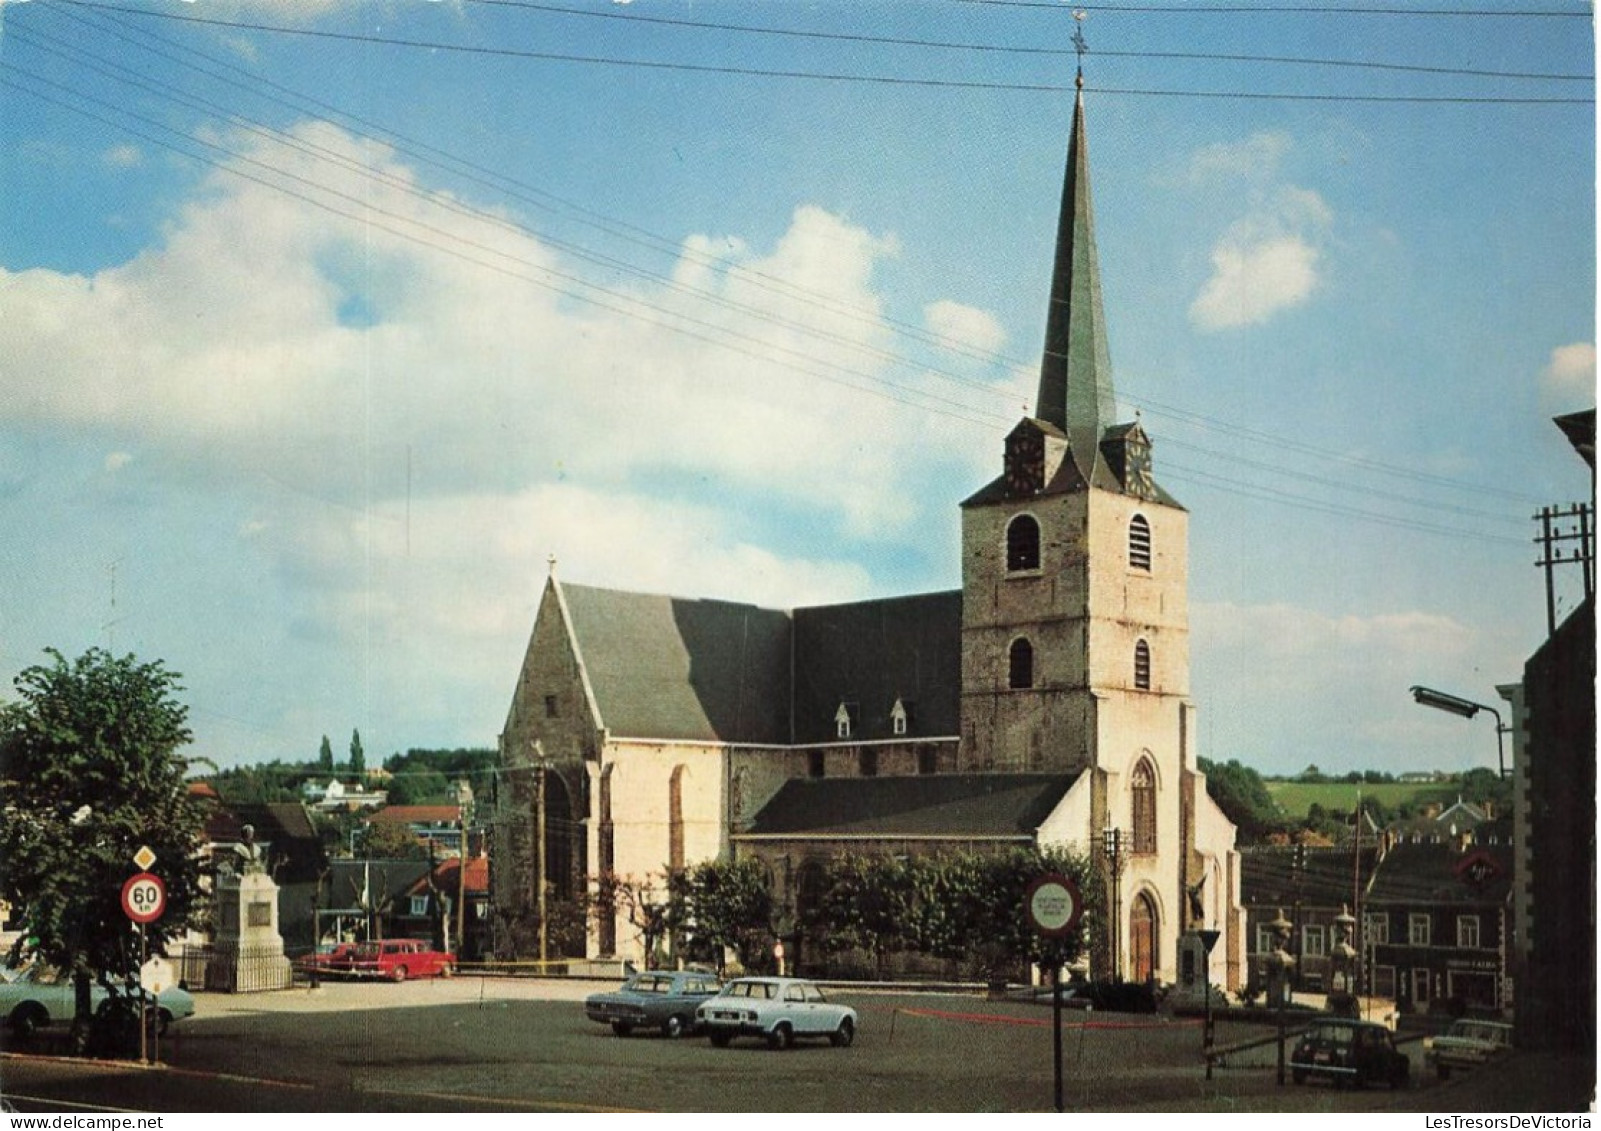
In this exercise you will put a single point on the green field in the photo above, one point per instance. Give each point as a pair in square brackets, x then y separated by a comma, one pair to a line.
[1295, 798]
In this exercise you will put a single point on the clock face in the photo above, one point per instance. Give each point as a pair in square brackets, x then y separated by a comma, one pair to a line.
[1139, 470]
[1025, 464]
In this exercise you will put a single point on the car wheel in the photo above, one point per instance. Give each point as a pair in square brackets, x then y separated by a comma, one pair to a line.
[26, 1019]
[781, 1037]
[843, 1036]
[1298, 1076]
[398, 974]
[673, 1027]
[163, 1020]
[620, 1029]
[1443, 1071]
[720, 1040]
[447, 971]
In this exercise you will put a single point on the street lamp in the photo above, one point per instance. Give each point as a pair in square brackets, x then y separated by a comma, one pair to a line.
[1112, 844]
[1465, 708]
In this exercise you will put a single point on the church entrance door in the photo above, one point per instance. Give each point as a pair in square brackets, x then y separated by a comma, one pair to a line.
[1142, 939]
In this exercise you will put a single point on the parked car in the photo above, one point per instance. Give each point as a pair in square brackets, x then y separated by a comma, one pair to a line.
[1468, 1043]
[328, 960]
[1350, 1052]
[397, 960]
[656, 999]
[777, 1010]
[34, 996]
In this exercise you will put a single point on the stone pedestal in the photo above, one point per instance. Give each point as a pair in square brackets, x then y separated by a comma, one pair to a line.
[247, 952]
[1191, 988]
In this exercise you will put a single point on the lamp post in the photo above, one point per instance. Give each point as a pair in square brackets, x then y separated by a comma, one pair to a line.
[1112, 844]
[1465, 708]
[1343, 953]
[1281, 963]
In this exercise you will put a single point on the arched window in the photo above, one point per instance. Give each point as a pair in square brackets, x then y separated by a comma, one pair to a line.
[675, 821]
[1144, 799]
[1139, 543]
[1142, 665]
[1022, 543]
[1020, 664]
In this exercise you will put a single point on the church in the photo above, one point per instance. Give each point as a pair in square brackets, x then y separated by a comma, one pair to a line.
[1047, 701]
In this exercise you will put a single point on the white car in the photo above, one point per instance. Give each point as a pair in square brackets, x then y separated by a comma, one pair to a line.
[33, 996]
[776, 1009]
[1468, 1043]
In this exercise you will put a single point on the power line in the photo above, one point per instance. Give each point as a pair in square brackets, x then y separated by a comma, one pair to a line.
[815, 76]
[1007, 49]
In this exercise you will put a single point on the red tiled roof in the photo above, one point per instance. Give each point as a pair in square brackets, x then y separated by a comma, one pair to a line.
[415, 814]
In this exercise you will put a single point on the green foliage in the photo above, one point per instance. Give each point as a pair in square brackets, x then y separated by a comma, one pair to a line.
[422, 777]
[325, 756]
[967, 906]
[90, 772]
[358, 756]
[386, 840]
[1244, 798]
[721, 904]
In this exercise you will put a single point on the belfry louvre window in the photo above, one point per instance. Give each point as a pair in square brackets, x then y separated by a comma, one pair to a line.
[1139, 543]
[1142, 665]
[1144, 798]
[1020, 665]
[1023, 543]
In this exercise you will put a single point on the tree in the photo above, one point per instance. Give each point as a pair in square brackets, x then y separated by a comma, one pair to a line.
[358, 757]
[90, 773]
[1244, 798]
[722, 904]
[325, 756]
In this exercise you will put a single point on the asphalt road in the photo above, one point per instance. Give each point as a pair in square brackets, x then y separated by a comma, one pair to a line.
[483, 1045]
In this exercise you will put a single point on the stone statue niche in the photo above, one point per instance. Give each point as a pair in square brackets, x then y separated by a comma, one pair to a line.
[247, 950]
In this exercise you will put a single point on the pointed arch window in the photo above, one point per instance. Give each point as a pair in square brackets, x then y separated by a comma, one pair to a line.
[1020, 664]
[1142, 665]
[1022, 543]
[1144, 805]
[898, 717]
[1139, 543]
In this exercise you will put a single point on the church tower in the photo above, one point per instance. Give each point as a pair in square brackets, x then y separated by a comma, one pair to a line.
[1075, 627]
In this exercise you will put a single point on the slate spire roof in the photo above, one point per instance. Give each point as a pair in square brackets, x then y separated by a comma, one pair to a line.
[1075, 391]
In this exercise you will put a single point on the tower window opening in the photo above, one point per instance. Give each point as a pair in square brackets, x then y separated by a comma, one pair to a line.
[1139, 543]
[1142, 665]
[1023, 543]
[1020, 665]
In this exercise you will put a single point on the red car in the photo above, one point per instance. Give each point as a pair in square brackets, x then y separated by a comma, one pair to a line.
[335, 959]
[399, 959]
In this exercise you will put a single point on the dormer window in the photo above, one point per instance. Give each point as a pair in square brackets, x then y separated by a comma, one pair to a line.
[842, 721]
[1022, 544]
[898, 718]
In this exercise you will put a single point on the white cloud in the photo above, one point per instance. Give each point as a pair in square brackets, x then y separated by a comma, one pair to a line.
[965, 327]
[1255, 158]
[1569, 376]
[123, 156]
[327, 347]
[1266, 262]
[116, 461]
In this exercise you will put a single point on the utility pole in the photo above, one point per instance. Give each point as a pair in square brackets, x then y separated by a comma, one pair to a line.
[461, 885]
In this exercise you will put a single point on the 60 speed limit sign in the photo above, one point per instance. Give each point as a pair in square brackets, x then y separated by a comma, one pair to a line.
[144, 897]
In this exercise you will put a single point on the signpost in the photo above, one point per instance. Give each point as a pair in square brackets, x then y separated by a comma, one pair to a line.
[144, 899]
[1054, 908]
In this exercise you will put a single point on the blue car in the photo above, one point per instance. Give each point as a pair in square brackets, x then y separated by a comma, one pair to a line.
[664, 1000]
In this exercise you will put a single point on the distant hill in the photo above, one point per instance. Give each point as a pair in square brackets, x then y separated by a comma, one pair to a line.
[1296, 798]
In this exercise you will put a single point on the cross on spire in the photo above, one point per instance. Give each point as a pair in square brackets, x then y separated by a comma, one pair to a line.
[1079, 43]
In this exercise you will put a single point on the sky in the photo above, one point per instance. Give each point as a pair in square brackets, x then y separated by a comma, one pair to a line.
[326, 327]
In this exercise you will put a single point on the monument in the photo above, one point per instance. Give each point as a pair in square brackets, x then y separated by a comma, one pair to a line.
[247, 950]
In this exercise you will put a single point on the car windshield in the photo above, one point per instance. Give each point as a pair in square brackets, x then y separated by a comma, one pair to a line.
[751, 989]
[1480, 1031]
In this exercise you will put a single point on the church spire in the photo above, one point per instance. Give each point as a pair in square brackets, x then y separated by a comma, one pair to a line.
[1076, 372]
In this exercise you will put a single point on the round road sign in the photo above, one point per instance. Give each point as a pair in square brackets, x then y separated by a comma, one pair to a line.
[144, 897]
[1054, 905]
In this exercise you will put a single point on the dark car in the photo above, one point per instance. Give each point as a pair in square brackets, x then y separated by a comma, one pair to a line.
[1350, 1052]
[656, 999]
